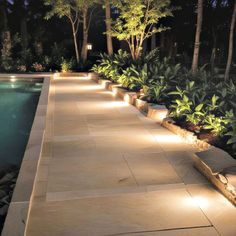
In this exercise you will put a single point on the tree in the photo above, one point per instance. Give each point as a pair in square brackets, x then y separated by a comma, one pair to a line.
[231, 41]
[69, 9]
[136, 21]
[197, 36]
[86, 7]
[108, 27]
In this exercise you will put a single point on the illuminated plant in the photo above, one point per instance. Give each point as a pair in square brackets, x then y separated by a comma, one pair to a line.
[196, 116]
[137, 21]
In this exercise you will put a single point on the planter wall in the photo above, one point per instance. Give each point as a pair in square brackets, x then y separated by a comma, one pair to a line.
[157, 112]
[141, 105]
[220, 169]
[104, 83]
[186, 135]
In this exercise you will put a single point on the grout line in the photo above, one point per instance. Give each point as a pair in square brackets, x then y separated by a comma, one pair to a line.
[127, 163]
[160, 230]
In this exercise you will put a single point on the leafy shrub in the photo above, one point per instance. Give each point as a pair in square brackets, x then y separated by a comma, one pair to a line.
[66, 65]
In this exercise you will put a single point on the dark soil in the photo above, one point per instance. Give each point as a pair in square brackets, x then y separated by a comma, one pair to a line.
[207, 136]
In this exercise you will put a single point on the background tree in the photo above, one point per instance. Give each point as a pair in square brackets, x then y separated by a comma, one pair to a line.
[231, 41]
[136, 21]
[86, 7]
[69, 9]
[108, 27]
[197, 36]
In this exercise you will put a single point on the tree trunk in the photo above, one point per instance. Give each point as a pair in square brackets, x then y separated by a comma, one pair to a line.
[75, 44]
[231, 39]
[213, 52]
[162, 44]
[153, 42]
[24, 34]
[108, 28]
[197, 36]
[84, 52]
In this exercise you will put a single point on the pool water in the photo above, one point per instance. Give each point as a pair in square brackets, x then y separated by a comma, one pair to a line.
[18, 104]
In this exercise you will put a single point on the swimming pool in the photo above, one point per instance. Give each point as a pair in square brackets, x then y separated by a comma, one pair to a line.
[18, 103]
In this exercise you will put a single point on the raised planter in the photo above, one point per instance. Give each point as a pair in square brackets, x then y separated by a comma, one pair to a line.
[157, 112]
[141, 105]
[186, 135]
[93, 76]
[220, 169]
[130, 97]
[104, 83]
[112, 86]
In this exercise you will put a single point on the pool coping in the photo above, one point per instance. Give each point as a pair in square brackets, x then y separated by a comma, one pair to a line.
[18, 212]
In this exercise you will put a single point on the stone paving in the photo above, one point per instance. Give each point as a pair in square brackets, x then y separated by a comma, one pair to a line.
[108, 170]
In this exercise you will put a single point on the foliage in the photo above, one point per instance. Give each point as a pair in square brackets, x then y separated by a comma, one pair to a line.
[137, 21]
[66, 65]
[199, 99]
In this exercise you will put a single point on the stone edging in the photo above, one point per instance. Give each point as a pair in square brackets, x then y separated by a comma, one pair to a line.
[17, 216]
[186, 135]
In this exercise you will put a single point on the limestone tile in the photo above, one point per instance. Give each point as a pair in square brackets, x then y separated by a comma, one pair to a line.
[66, 97]
[170, 141]
[205, 231]
[47, 149]
[39, 123]
[40, 189]
[42, 173]
[89, 172]
[216, 207]
[16, 219]
[116, 215]
[127, 143]
[25, 181]
[66, 110]
[183, 164]
[151, 169]
[71, 127]
[128, 109]
[72, 148]
[96, 107]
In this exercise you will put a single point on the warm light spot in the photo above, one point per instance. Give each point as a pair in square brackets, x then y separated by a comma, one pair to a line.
[115, 91]
[114, 104]
[160, 115]
[56, 75]
[170, 138]
[12, 80]
[231, 188]
[197, 201]
[90, 87]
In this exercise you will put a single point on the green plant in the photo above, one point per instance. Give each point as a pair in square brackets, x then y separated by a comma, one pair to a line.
[218, 125]
[195, 116]
[66, 65]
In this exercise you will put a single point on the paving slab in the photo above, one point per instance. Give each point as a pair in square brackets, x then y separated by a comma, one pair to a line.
[116, 215]
[106, 169]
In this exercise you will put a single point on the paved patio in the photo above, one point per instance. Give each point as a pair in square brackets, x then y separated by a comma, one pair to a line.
[108, 170]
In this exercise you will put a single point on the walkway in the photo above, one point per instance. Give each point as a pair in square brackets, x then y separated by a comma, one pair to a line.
[108, 170]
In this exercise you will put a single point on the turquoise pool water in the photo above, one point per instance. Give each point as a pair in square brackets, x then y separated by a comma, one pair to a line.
[18, 103]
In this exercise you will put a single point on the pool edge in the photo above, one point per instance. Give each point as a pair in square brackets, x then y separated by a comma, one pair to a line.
[19, 208]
